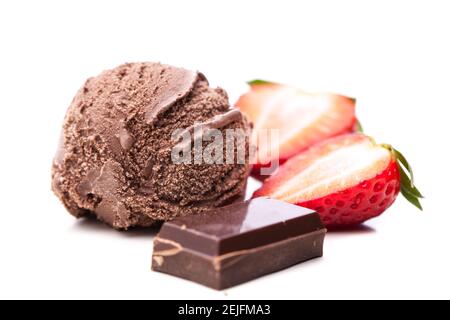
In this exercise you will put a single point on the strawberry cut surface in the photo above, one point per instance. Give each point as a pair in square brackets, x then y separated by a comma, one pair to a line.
[347, 180]
[362, 202]
[302, 119]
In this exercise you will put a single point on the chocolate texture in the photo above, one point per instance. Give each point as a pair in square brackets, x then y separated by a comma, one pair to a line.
[114, 159]
[239, 242]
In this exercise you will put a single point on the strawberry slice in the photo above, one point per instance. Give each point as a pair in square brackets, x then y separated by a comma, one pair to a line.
[347, 180]
[302, 119]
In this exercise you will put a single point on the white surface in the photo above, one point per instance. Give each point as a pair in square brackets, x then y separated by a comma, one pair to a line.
[392, 55]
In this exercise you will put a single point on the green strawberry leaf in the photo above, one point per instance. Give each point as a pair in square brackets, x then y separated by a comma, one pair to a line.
[400, 157]
[358, 126]
[407, 186]
[259, 82]
[415, 201]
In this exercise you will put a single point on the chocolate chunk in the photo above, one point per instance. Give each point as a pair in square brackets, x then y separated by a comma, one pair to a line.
[237, 243]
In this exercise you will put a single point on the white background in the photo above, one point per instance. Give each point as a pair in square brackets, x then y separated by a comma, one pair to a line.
[393, 56]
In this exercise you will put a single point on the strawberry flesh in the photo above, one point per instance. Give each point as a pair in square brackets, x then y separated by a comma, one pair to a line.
[347, 180]
[357, 204]
[302, 119]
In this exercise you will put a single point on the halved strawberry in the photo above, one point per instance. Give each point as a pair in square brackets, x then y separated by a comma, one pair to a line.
[302, 119]
[347, 180]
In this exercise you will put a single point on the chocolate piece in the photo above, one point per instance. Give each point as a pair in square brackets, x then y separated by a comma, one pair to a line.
[114, 159]
[237, 243]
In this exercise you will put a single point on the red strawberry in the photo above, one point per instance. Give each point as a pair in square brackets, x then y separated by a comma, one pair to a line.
[302, 118]
[347, 180]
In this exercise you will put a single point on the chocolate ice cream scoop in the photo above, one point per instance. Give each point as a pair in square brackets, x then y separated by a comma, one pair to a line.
[114, 159]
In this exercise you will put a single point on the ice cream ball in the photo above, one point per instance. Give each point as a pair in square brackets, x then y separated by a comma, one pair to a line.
[115, 158]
